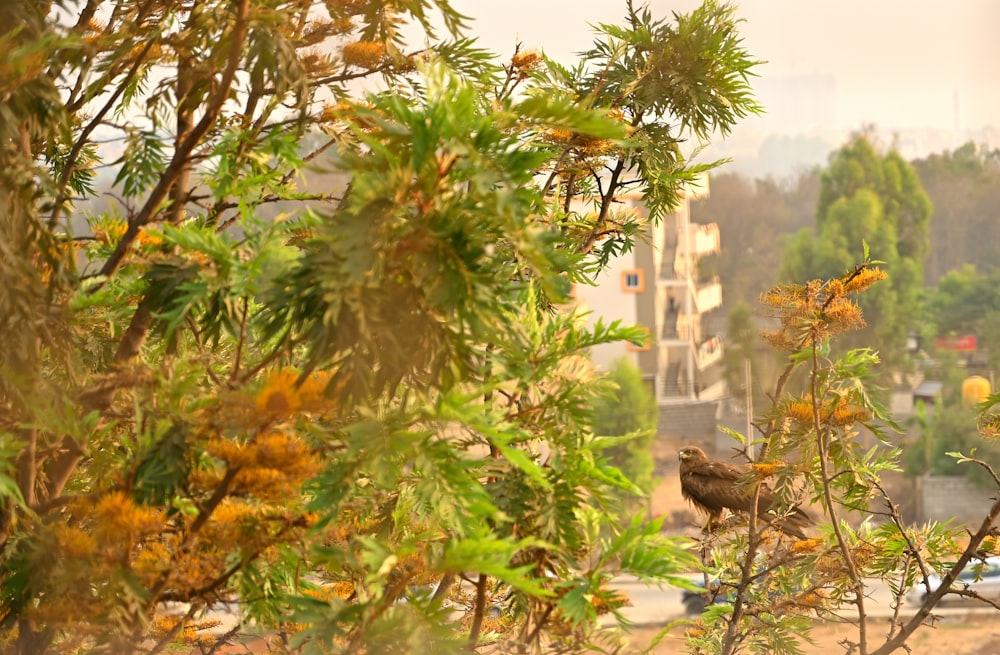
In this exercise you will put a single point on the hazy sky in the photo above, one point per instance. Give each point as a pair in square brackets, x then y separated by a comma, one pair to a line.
[896, 63]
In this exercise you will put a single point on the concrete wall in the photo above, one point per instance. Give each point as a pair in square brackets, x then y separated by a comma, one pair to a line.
[693, 420]
[946, 497]
[607, 301]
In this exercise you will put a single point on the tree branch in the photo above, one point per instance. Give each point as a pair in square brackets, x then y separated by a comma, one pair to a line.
[180, 159]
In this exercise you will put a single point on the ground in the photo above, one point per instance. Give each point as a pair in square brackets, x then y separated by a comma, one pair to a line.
[972, 635]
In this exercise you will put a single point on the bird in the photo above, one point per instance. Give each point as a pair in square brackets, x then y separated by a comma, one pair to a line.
[716, 486]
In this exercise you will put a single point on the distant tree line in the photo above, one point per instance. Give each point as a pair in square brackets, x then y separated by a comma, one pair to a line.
[756, 215]
[934, 221]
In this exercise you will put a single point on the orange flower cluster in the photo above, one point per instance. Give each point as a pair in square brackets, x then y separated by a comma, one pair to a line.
[614, 599]
[806, 545]
[989, 425]
[800, 411]
[363, 54]
[813, 312]
[864, 554]
[522, 62]
[843, 415]
[587, 146]
[237, 526]
[805, 602]
[164, 624]
[286, 392]
[316, 63]
[765, 469]
[74, 542]
[120, 520]
[849, 414]
[863, 279]
[829, 566]
[92, 540]
[272, 465]
[111, 232]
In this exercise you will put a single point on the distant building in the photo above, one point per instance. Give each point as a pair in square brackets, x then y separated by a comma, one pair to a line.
[797, 104]
[657, 286]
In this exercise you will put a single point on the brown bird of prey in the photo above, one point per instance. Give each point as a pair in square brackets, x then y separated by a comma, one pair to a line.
[715, 486]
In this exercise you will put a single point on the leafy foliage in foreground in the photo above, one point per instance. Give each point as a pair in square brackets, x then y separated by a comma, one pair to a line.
[628, 417]
[361, 411]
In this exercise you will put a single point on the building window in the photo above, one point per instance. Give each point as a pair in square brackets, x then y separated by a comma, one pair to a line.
[646, 344]
[633, 281]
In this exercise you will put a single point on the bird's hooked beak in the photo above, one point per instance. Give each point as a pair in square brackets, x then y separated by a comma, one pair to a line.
[683, 454]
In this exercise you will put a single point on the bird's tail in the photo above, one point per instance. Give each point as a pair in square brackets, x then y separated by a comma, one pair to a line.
[794, 523]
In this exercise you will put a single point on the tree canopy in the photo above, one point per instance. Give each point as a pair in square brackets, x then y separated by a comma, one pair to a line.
[629, 416]
[965, 187]
[873, 198]
[361, 412]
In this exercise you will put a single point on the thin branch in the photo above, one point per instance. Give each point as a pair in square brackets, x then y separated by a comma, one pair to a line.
[479, 611]
[949, 578]
[985, 529]
[822, 435]
[205, 512]
[180, 159]
[201, 348]
[70, 164]
[238, 357]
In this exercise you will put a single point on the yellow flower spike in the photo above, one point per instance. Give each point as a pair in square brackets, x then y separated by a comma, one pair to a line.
[846, 415]
[800, 411]
[765, 469]
[110, 231]
[149, 238]
[806, 545]
[231, 452]
[828, 566]
[525, 60]
[989, 425]
[558, 135]
[865, 279]
[343, 589]
[122, 521]
[279, 397]
[73, 542]
[363, 54]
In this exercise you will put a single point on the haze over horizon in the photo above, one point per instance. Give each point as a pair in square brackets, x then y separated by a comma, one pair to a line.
[925, 72]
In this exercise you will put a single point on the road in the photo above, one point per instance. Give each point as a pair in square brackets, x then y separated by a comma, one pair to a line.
[656, 606]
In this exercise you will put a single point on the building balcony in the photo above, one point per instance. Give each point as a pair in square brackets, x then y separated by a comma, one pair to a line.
[708, 296]
[704, 239]
[709, 352]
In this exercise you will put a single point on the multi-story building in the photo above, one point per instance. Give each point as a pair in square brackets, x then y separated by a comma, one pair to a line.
[657, 285]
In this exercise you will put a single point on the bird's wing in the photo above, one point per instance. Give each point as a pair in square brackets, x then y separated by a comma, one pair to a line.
[714, 485]
[720, 470]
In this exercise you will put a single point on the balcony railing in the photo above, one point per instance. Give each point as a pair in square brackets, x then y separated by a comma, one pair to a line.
[704, 239]
[709, 296]
[709, 352]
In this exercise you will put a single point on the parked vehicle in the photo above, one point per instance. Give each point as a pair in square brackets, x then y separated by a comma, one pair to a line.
[695, 601]
[980, 575]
